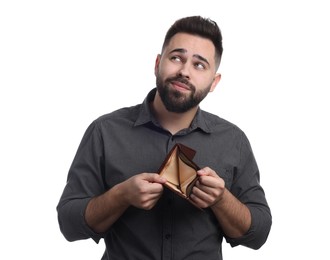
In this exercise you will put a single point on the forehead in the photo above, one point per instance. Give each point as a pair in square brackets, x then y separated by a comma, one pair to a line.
[193, 44]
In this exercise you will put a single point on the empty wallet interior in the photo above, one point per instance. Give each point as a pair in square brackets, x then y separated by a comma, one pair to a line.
[180, 171]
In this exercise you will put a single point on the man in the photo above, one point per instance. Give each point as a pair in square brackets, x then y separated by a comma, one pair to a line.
[114, 190]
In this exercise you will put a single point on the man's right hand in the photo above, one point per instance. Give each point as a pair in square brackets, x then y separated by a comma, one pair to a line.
[143, 190]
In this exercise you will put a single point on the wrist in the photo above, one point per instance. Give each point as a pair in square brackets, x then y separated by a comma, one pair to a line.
[221, 200]
[118, 195]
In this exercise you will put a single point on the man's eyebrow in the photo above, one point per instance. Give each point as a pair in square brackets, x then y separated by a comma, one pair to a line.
[201, 58]
[182, 50]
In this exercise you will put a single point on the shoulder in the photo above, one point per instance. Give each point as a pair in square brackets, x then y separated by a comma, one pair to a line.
[215, 123]
[125, 114]
[220, 127]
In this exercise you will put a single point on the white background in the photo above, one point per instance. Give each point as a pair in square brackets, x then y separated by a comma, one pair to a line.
[64, 63]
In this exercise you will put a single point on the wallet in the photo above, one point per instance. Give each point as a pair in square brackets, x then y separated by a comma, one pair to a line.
[179, 170]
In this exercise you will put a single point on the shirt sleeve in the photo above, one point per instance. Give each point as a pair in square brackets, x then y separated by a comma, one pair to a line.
[83, 183]
[246, 187]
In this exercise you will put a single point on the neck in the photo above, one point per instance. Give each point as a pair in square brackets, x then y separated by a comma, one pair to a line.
[173, 122]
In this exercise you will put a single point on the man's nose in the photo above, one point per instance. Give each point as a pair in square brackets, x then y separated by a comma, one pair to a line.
[184, 71]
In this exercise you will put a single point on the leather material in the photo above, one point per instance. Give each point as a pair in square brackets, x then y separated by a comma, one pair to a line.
[180, 170]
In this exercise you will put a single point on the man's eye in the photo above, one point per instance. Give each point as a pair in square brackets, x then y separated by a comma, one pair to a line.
[200, 66]
[176, 58]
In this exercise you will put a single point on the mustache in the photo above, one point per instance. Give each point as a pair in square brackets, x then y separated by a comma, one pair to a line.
[181, 80]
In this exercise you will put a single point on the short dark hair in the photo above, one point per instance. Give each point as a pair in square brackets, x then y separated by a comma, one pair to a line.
[197, 25]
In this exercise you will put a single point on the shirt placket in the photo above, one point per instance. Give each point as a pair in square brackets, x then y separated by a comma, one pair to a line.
[167, 252]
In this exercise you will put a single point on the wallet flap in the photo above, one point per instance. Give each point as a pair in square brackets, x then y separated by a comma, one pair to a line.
[170, 169]
[187, 151]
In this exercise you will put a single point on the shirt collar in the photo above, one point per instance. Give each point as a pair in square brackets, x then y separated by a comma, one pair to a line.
[145, 116]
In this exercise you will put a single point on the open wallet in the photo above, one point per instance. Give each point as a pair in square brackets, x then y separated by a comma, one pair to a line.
[179, 170]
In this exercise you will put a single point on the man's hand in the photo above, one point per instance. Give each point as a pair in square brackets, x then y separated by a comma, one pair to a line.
[233, 216]
[209, 188]
[143, 190]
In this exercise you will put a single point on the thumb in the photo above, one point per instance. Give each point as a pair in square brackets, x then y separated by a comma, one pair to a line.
[155, 177]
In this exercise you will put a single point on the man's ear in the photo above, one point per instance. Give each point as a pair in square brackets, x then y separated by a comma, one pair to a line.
[157, 64]
[215, 82]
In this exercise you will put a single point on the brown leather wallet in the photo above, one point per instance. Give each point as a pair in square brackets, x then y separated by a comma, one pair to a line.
[179, 170]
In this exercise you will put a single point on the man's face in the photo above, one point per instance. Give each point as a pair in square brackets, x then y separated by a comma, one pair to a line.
[185, 72]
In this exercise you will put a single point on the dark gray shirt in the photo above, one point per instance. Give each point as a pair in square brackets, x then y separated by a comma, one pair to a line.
[129, 141]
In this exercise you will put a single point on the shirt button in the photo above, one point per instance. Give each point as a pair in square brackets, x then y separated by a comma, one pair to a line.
[168, 236]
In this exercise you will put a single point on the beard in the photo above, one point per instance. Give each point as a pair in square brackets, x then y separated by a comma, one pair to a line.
[176, 101]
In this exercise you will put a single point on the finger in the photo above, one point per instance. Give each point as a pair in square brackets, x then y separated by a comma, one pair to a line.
[206, 171]
[198, 201]
[201, 192]
[204, 186]
[156, 188]
[203, 198]
[154, 177]
[150, 203]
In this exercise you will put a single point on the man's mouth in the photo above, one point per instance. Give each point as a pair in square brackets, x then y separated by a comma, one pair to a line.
[180, 86]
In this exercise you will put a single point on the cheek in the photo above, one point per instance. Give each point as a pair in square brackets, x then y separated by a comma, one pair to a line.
[168, 68]
[203, 84]
[166, 71]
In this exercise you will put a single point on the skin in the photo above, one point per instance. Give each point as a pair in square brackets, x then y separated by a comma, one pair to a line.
[191, 57]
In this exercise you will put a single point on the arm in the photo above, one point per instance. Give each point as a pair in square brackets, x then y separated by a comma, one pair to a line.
[142, 191]
[240, 205]
[87, 207]
[233, 216]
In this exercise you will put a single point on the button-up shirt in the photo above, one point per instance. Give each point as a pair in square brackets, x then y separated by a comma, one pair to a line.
[130, 141]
